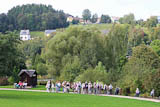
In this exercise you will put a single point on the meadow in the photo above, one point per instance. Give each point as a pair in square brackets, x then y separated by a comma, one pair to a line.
[42, 99]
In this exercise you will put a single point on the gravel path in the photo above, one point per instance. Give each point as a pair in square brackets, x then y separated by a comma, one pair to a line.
[128, 97]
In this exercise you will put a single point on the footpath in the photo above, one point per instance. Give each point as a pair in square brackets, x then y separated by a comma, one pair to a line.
[128, 97]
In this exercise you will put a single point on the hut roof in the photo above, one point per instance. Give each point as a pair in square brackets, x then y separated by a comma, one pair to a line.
[30, 73]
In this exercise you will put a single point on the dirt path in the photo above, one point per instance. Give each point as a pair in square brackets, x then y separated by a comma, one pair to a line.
[128, 97]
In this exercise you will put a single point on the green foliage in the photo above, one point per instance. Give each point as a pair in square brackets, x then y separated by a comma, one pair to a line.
[10, 55]
[137, 70]
[41, 69]
[94, 18]
[154, 33]
[152, 22]
[127, 19]
[105, 19]
[97, 74]
[75, 44]
[86, 14]
[34, 17]
[156, 46]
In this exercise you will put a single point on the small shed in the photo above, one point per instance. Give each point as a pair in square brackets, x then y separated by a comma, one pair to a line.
[28, 76]
[48, 32]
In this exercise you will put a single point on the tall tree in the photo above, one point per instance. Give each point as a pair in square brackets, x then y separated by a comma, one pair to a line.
[86, 15]
[152, 22]
[128, 19]
[11, 57]
[94, 18]
[105, 19]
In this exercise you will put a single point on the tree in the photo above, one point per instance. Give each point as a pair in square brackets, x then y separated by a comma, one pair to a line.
[136, 71]
[33, 17]
[156, 46]
[86, 15]
[97, 74]
[128, 19]
[74, 47]
[105, 19]
[152, 22]
[94, 18]
[41, 69]
[74, 21]
[11, 57]
[3, 23]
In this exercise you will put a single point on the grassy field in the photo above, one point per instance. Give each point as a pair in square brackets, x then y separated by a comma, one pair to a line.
[37, 34]
[39, 87]
[40, 99]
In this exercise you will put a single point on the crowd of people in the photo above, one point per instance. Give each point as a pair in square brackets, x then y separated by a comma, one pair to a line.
[88, 88]
[82, 88]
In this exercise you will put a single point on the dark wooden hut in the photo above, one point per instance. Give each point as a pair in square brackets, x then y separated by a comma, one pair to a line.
[28, 76]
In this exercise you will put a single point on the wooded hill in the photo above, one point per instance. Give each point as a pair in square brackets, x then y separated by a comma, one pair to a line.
[34, 17]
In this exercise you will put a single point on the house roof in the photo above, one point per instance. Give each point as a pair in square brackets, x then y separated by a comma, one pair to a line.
[30, 73]
[49, 31]
[24, 32]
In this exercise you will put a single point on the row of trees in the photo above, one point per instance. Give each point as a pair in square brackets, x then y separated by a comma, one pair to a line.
[130, 19]
[33, 17]
[87, 16]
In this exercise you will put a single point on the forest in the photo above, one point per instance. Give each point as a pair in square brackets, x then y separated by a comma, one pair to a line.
[34, 17]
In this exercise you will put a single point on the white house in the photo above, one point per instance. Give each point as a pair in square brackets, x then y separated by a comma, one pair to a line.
[158, 18]
[115, 19]
[25, 35]
[48, 32]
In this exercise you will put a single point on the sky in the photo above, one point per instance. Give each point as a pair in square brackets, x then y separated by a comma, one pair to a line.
[142, 9]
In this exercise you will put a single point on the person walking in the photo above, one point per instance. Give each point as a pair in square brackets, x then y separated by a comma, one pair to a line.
[53, 87]
[94, 88]
[48, 86]
[110, 89]
[90, 88]
[117, 91]
[137, 92]
[152, 93]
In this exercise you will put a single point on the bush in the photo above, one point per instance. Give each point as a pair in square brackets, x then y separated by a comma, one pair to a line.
[10, 80]
[3, 81]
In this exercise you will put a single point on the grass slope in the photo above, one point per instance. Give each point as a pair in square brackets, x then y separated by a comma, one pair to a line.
[37, 34]
[39, 99]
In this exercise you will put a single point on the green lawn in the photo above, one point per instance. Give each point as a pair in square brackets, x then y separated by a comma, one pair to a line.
[39, 87]
[37, 34]
[41, 99]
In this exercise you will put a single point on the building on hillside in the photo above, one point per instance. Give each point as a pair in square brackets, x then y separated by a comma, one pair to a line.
[98, 20]
[25, 35]
[115, 19]
[158, 18]
[81, 21]
[49, 32]
[29, 77]
[70, 19]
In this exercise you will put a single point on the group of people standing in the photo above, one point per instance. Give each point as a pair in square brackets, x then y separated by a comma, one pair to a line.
[82, 88]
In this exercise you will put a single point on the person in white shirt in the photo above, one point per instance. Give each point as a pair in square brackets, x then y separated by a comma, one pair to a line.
[110, 89]
[94, 88]
[83, 88]
[48, 86]
[53, 88]
[89, 88]
[137, 92]
[152, 93]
